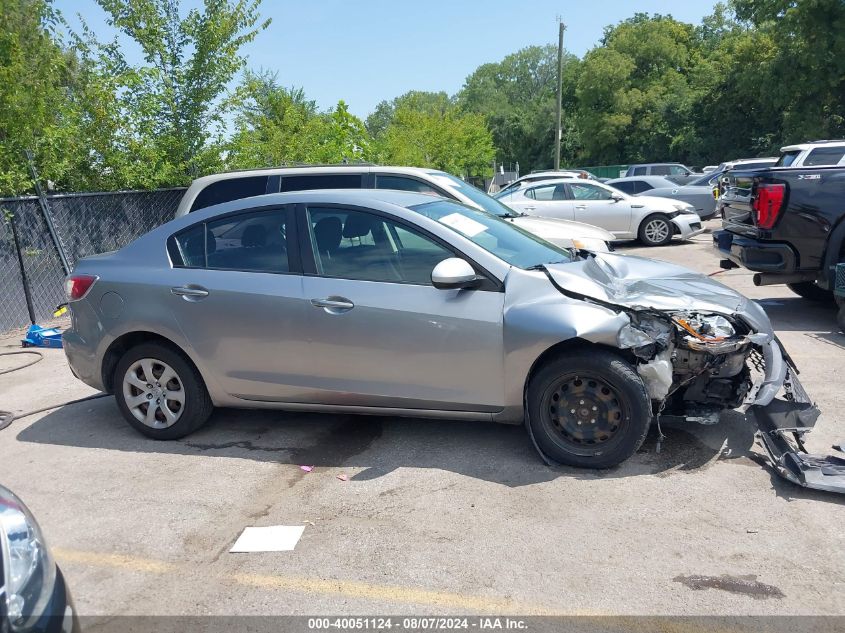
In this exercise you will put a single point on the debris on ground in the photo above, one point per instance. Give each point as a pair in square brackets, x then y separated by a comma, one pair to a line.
[307, 469]
[343, 477]
[272, 538]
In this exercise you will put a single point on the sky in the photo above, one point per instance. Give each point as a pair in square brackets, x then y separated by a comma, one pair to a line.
[367, 51]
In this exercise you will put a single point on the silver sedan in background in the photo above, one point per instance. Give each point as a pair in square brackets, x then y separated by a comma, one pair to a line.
[398, 303]
[699, 193]
[652, 220]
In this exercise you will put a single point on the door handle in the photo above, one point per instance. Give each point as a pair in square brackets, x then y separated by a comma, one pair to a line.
[333, 305]
[190, 293]
[581, 206]
[528, 208]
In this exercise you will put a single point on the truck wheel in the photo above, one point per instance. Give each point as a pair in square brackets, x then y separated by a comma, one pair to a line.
[655, 230]
[840, 318]
[160, 393]
[811, 290]
[588, 409]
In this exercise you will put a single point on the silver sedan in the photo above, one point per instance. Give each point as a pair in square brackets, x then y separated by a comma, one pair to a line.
[395, 303]
[699, 193]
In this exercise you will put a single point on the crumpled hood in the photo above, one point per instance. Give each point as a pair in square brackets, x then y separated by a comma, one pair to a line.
[636, 282]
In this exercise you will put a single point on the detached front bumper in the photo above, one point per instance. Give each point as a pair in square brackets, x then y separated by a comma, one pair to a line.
[784, 413]
[687, 225]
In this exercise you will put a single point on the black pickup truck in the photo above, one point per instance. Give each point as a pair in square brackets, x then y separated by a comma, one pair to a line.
[785, 224]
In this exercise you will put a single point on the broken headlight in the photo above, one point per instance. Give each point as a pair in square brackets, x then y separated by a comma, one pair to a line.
[712, 333]
[29, 572]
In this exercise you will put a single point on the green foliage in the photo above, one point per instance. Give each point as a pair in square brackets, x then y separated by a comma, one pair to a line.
[170, 110]
[754, 75]
[35, 74]
[276, 125]
[517, 97]
[429, 130]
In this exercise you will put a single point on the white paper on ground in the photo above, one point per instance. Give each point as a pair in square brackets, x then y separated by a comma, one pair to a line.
[273, 538]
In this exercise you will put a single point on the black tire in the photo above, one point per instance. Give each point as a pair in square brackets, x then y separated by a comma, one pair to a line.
[193, 412]
[556, 429]
[840, 318]
[653, 221]
[811, 291]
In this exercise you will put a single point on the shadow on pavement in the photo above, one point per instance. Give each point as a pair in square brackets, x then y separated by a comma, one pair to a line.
[491, 452]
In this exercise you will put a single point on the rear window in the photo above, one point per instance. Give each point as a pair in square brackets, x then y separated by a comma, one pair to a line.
[628, 186]
[404, 183]
[230, 189]
[824, 156]
[787, 158]
[641, 185]
[323, 181]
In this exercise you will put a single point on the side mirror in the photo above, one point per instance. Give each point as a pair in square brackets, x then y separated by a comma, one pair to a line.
[454, 273]
[616, 197]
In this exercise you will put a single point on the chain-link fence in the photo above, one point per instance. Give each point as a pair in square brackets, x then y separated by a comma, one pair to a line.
[85, 224]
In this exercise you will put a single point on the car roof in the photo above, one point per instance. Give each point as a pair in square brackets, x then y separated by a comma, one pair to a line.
[798, 147]
[653, 164]
[302, 170]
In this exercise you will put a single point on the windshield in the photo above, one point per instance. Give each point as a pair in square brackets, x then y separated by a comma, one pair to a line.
[503, 239]
[480, 198]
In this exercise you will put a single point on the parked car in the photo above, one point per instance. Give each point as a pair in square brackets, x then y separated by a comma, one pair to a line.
[397, 303]
[786, 224]
[814, 154]
[539, 176]
[654, 221]
[677, 172]
[217, 188]
[700, 196]
[709, 168]
[745, 163]
[33, 595]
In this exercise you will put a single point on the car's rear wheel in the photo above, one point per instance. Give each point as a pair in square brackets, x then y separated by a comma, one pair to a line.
[588, 409]
[160, 393]
[655, 230]
[812, 291]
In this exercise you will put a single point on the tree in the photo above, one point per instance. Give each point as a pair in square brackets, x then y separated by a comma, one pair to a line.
[173, 103]
[445, 139]
[806, 77]
[35, 74]
[517, 97]
[385, 111]
[635, 93]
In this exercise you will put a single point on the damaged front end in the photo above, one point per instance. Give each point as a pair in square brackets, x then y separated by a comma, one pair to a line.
[703, 348]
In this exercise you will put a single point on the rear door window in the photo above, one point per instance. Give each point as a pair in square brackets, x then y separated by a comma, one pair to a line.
[254, 242]
[640, 171]
[661, 170]
[824, 156]
[322, 181]
[230, 189]
[641, 185]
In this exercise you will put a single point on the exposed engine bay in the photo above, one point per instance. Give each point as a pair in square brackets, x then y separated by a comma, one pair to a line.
[696, 365]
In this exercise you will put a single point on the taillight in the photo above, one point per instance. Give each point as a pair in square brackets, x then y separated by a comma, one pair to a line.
[768, 202]
[77, 286]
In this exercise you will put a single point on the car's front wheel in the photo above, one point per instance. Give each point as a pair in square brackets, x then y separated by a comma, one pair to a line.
[588, 409]
[160, 393]
[656, 230]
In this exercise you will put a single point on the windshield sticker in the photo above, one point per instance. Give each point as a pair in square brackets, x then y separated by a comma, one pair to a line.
[463, 224]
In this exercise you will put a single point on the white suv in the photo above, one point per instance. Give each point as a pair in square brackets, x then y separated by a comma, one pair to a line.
[815, 154]
[220, 188]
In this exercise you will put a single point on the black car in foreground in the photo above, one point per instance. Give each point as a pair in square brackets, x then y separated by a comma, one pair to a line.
[33, 594]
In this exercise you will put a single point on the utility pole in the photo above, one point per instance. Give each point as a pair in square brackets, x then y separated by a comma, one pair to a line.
[559, 130]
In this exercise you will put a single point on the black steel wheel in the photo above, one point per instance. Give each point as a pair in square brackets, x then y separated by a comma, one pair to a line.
[588, 409]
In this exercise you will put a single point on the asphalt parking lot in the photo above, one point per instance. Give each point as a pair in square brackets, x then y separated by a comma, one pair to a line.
[436, 516]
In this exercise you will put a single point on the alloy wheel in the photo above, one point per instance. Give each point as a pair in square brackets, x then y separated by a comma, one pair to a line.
[153, 393]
